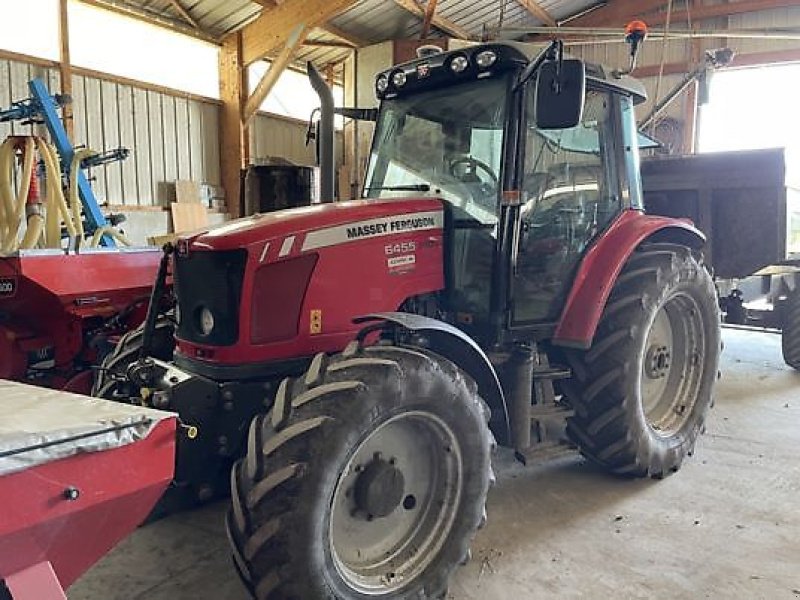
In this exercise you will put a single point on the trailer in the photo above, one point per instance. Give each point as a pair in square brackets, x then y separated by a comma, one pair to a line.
[751, 217]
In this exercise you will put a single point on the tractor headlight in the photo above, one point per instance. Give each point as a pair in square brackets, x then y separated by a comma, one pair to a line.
[459, 64]
[382, 84]
[486, 59]
[206, 321]
[399, 79]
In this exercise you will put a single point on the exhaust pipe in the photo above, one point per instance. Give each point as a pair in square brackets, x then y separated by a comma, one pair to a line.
[325, 138]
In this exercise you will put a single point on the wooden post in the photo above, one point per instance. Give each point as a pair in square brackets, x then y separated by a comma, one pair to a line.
[65, 67]
[233, 134]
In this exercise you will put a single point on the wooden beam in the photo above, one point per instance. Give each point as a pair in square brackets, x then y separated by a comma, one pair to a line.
[272, 29]
[445, 25]
[277, 67]
[537, 11]
[343, 35]
[617, 13]
[430, 12]
[750, 59]
[327, 44]
[65, 67]
[233, 136]
[184, 13]
[701, 13]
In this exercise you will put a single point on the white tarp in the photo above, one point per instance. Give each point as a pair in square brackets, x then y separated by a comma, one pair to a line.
[36, 425]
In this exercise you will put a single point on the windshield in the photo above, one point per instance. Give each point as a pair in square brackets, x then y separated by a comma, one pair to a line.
[448, 142]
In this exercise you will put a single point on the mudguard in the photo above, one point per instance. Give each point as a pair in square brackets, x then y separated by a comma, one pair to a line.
[602, 264]
[456, 346]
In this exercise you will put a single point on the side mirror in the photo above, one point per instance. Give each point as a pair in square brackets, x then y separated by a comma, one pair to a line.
[560, 94]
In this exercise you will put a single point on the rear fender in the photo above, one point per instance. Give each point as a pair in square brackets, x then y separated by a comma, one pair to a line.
[456, 346]
[602, 264]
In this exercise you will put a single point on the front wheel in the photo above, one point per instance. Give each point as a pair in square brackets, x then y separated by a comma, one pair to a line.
[367, 479]
[642, 391]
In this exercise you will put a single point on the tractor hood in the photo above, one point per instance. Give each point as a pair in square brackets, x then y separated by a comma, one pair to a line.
[319, 225]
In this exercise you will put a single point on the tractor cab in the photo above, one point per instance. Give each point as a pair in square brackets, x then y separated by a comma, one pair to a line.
[533, 157]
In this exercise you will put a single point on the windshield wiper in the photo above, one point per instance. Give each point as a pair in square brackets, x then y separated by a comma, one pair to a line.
[417, 187]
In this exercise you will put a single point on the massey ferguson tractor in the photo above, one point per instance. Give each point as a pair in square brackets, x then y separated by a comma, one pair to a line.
[498, 283]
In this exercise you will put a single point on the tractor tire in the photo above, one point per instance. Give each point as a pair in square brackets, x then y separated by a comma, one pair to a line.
[790, 330]
[367, 479]
[642, 391]
[110, 381]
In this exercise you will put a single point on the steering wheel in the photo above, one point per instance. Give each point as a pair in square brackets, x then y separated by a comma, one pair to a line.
[472, 166]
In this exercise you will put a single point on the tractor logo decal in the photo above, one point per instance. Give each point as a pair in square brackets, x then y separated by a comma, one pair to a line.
[8, 287]
[341, 234]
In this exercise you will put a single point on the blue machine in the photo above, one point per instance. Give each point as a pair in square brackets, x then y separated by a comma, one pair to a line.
[42, 107]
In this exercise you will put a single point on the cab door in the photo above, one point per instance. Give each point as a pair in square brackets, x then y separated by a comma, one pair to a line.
[571, 191]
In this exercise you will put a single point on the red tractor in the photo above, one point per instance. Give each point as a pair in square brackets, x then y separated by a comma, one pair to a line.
[500, 281]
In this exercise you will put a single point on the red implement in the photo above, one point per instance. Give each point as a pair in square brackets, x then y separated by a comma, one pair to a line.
[60, 516]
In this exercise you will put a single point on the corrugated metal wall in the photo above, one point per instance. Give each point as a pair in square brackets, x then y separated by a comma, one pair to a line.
[14, 77]
[169, 136]
[272, 136]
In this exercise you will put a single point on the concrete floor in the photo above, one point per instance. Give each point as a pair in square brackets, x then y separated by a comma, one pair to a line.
[726, 526]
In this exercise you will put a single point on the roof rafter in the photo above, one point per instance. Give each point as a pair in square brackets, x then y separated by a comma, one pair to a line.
[274, 26]
[537, 11]
[430, 13]
[445, 25]
[184, 13]
[345, 36]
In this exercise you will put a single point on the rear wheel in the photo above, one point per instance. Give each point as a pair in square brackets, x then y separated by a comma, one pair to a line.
[790, 330]
[367, 479]
[641, 393]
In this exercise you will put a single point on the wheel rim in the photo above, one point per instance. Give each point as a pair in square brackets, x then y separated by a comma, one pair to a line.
[409, 473]
[672, 365]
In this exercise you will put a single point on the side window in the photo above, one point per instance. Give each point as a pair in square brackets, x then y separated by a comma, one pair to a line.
[571, 192]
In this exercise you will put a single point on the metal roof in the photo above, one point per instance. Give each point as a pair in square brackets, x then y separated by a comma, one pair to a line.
[371, 21]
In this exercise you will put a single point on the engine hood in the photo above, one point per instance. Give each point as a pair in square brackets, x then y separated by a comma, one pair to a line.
[319, 220]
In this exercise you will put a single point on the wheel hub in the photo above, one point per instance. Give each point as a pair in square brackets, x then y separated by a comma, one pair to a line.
[658, 361]
[379, 488]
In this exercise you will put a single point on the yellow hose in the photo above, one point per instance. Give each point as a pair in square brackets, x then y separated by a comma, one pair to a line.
[74, 200]
[15, 207]
[109, 230]
[33, 233]
[43, 231]
[6, 189]
[55, 197]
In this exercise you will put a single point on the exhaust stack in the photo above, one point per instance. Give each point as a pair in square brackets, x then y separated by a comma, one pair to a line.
[325, 137]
